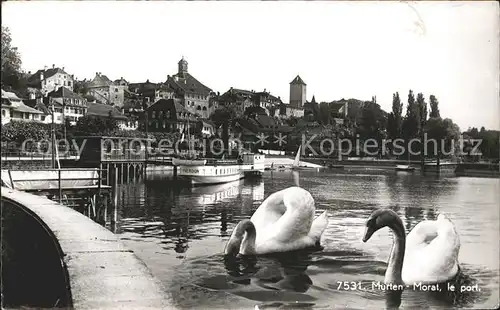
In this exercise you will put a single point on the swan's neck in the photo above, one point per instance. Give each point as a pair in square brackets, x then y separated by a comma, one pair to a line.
[395, 263]
[243, 239]
[248, 243]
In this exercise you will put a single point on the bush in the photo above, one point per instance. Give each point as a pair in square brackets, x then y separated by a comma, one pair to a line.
[20, 131]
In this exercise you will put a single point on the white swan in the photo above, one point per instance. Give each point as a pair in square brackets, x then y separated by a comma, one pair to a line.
[283, 222]
[428, 255]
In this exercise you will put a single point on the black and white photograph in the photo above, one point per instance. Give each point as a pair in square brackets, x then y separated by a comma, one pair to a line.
[250, 155]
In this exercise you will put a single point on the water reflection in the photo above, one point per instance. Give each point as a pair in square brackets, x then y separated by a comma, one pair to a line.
[180, 234]
[179, 215]
[277, 272]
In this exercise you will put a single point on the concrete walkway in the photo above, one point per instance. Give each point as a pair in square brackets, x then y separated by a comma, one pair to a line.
[103, 272]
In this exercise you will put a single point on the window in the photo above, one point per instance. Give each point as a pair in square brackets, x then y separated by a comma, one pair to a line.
[3, 112]
[153, 114]
[116, 90]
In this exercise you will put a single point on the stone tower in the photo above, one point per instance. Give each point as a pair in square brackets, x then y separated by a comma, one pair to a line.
[297, 92]
[183, 66]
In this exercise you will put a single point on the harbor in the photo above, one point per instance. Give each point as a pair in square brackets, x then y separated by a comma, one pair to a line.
[180, 233]
[194, 157]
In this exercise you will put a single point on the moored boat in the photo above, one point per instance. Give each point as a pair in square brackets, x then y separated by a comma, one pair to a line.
[221, 171]
[296, 163]
[404, 168]
[188, 162]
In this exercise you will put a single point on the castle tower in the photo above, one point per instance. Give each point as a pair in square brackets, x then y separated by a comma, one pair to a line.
[297, 92]
[183, 66]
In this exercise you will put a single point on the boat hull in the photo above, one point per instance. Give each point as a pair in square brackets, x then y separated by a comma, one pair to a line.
[404, 168]
[211, 179]
[188, 162]
[303, 168]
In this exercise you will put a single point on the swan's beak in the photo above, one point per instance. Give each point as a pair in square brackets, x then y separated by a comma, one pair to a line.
[368, 233]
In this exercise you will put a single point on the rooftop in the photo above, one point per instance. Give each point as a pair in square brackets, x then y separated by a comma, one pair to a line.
[187, 83]
[10, 100]
[104, 110]
[100, 80]
[35, 79]
[298, 80]
[64, 92]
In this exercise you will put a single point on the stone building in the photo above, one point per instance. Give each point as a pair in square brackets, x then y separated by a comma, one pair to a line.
[105, 91]
[67, 105]
[105, 111]
[48, 80]
[297, 92]
[193, 95]
[169, 115]
[240, 100]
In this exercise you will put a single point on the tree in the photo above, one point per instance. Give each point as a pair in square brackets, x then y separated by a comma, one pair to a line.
[222, 115]
[422, 110]
[489, 141]
[19, 132]
[411, 122]
[81, 87]
[11, 62]
[325, 113]
[445, 133]
[434, 106]
[95, 125]
[394, 119]
[372, 123]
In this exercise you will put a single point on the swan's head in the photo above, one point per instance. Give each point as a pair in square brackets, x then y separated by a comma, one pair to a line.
[379, 219]
[242, 239]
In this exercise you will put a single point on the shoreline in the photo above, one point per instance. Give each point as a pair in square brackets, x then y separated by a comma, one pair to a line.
[463, 169]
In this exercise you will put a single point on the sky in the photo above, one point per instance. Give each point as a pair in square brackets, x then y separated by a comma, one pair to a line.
[340, 49]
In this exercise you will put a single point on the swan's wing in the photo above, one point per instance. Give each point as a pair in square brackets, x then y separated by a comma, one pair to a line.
[318, 227]
[430, 234]
[298, 218]
[432, 250]
[421, 235]
[269, 211]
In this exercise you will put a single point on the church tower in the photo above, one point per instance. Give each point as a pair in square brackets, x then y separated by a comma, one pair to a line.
[183, 66]
[297, 92]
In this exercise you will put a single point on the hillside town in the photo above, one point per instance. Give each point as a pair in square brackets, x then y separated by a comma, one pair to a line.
[183, 106]
[54, 95]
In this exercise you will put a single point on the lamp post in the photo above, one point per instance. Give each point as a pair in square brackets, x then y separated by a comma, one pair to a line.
[53, 137]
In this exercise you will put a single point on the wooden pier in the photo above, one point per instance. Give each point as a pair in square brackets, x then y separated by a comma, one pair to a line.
[79, 188]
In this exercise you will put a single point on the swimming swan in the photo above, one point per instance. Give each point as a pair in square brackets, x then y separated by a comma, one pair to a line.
[283, 222]
[427, 255]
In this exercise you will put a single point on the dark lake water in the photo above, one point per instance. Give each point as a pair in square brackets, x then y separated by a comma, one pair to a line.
[180, 234]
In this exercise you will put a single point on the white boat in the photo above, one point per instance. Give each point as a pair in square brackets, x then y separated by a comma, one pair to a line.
[296, 163]
[188, 162]
[404, 168]
[222, 171]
